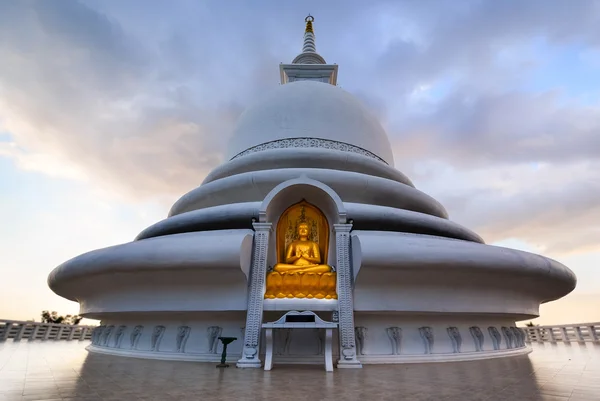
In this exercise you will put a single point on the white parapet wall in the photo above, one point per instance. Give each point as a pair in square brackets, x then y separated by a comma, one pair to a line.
[20, 330]
[580, 332]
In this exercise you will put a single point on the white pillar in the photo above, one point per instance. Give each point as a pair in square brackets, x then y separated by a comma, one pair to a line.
[256, 294]
[565, 335]
[345, 298]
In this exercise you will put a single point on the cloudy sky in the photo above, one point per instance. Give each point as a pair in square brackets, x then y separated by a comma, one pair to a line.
[112, 109]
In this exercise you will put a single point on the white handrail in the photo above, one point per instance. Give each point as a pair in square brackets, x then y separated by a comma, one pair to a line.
[580, 332]
[19, 330]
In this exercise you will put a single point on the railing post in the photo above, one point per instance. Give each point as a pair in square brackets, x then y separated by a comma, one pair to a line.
[7, 327]
[83, 333]
[21, 332]
[565, 335]
[551, 334]
[71, 333]
[528, 334]
[579, 333]
[540, 338]
[34, 332]
[592, 333]
[47, 333]
[59, 333]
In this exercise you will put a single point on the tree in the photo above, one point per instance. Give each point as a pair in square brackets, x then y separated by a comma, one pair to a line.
[53, 317]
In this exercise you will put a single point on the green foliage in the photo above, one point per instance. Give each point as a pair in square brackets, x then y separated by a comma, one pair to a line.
[53, 317]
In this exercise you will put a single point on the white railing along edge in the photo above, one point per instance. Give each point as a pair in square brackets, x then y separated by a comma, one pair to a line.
[580, 332]
[21, 330]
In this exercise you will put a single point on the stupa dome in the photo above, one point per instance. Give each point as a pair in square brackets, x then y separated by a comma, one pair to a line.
[309, 109]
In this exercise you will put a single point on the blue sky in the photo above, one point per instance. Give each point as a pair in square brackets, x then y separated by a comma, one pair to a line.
[110, 110]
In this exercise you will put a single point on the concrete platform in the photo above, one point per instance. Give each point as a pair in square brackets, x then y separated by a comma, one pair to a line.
[65, 371]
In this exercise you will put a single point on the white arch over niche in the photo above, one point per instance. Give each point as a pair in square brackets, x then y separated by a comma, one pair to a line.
[293, 191]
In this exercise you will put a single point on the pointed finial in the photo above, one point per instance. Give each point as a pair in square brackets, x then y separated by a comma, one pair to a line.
[309, 36]
[300, 69]
[309, 20]
[309, 53]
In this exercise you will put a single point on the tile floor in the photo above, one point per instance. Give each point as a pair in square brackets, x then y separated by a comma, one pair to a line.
[65, 371]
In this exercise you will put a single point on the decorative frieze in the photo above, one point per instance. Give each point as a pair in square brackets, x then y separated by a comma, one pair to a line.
[455, 339]
[157, 335]
[508, 337]
[106, 334]
[119, 336]
[496, 337]
[427, 337]
[134, 338]
[518, 337]
[213, 334]
[309, 143]
[360, 334]
[96, 334]
[478, 338]
[183, 332]
[395, 336]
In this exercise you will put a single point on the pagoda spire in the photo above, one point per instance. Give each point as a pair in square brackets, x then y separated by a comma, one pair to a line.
[309, 36]
[309, 65]
[309, 53]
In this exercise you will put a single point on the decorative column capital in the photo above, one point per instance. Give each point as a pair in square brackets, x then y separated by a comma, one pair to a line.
[262, 226]
[342, 228]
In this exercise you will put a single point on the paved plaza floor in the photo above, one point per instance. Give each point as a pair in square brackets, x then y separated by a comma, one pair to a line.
[66, 371]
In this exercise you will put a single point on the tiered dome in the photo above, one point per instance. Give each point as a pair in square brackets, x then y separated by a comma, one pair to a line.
[413, 271]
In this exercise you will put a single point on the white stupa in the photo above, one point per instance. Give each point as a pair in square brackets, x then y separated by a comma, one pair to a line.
[309, 215]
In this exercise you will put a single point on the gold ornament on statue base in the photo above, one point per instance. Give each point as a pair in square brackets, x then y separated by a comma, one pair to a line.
[302, 242]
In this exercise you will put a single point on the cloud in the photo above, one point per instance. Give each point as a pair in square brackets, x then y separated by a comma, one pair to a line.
[142, 103]
[554, 208]
[78, 89]
[479, 129]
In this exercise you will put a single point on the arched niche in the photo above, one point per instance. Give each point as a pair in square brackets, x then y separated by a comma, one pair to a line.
[302, 189]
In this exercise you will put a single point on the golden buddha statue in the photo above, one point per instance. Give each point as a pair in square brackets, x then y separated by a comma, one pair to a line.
[302, 255]
[301, 274]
